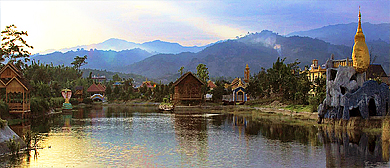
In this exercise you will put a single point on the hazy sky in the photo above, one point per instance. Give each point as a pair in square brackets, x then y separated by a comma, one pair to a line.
[62, 24]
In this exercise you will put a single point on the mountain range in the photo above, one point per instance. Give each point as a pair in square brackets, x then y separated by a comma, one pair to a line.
[228, 58]
[343, 34]
[155, 47]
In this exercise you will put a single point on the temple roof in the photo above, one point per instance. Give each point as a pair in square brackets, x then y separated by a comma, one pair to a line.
[211, 84]
[96, 88]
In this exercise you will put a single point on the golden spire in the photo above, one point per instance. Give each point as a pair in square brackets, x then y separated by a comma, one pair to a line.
[360, 54]
[246, 74]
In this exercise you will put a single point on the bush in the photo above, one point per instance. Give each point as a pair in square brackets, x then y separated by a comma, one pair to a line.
[3, 123]
[87, 101]
[13, 145]
[56, 102]
[314, 102]
[73, 101]
[4, 111]
[39, 105]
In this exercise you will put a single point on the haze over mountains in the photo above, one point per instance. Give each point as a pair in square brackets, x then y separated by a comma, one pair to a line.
[343, 34]
[161, 60]
[156, 46]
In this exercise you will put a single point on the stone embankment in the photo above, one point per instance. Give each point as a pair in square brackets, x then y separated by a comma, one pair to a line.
[6, 134]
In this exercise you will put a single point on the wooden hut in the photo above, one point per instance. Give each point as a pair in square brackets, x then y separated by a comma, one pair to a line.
[79, 93]
[17, 90]
[188, 88]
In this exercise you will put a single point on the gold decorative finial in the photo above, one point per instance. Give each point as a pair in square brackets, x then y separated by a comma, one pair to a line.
[360, 54]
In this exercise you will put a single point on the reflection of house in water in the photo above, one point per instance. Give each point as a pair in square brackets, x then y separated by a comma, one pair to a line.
[191, 134]
[353, 148]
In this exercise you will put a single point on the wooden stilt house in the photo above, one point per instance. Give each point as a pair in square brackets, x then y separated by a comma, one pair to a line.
[17, 90]
[188, 88]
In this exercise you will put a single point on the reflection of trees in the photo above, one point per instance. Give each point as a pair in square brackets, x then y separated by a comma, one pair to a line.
[386, 139]
[283, 131]
[191, 134]
[352, 147]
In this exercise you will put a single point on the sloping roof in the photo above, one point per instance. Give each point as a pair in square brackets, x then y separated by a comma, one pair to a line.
[211, 84]
[101, 87]
[95, 88]
[2, 83]
[375, 70]
[21, 82]
[13, 68]
[184, 76]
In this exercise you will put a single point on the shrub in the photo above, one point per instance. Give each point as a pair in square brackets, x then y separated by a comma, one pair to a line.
[56, 102]
[314, 102]
[39, 105]
[14, 145]
[73, 101]
[3, 123]
[4, 111]
[87, 101]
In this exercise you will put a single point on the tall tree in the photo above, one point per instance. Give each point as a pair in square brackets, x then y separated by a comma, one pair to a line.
[202, 72]
[79, 61]
[13, 46]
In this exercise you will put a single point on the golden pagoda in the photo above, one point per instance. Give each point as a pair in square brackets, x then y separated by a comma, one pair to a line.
[360, 54]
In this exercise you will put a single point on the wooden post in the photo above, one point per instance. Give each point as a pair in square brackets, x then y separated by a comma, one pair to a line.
[23, 101]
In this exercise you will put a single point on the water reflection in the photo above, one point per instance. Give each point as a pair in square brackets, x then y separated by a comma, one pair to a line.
[191, 135]
[139, 136]
[354, 147]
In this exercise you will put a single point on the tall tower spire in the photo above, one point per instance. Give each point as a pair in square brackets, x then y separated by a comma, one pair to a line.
[246, 74]
[360, 54]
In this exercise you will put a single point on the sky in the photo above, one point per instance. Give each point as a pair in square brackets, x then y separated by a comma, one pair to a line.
[65, 24]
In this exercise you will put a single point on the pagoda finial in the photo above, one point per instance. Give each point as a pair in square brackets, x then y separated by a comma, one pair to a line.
[359, 29]
[360, 54]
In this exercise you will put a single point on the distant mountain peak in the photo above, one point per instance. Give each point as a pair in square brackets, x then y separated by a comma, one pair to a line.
[343, 34]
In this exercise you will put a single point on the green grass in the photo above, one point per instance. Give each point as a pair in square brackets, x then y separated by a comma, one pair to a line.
[299, 108]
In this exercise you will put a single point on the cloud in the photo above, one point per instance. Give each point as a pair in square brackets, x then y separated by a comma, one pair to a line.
[61, 24]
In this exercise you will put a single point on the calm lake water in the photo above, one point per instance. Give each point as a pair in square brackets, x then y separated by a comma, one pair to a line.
[144, 137]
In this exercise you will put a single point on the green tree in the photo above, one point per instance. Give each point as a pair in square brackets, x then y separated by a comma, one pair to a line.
[13, 46]
[116, 90]
[202, 72]
[79, 61]
[219, 91]
[116, 77]
[108, 90]
[181, 70]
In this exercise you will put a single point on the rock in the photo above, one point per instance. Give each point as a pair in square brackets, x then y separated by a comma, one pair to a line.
[6, 134]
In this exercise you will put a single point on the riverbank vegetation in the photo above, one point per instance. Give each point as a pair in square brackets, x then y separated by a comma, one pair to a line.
[285, 82]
